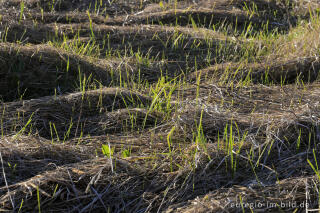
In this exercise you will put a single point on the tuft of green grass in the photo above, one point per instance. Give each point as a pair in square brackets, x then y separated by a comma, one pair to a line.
[24, 128]
[21, 10]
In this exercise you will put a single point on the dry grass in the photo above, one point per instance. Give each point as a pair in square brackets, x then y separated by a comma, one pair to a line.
[38, 70]
[159, 106]
[80, 113]
[276, 71]
[269, 199]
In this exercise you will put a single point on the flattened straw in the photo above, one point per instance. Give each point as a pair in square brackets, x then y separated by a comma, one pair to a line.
[99, 196]
[5, 180]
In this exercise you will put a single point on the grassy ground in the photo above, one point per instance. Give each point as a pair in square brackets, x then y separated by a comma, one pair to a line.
[159, 106]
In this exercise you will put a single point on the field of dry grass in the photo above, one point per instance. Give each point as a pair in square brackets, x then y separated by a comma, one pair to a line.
[159, 106]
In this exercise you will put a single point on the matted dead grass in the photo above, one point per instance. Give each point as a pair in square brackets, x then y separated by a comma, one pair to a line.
[87, 184]
[182, 17]
[35, 71]
[102, 176]
[279, 71]
[181, 45]
[280, 112]
[272, 198]
[77, 185]
[111, 8]
[95, 112]
[28, 156]
[202, 144]
[203, 12]
[278, 15]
